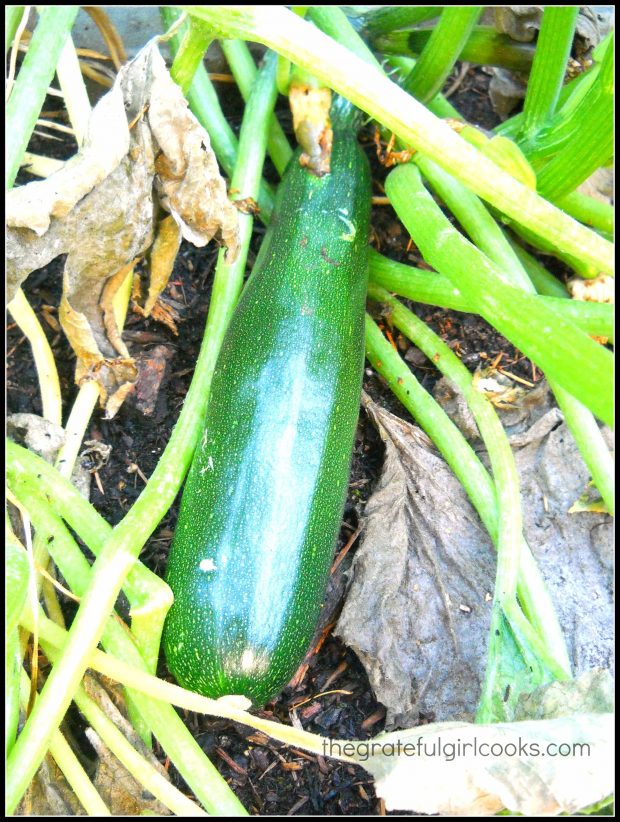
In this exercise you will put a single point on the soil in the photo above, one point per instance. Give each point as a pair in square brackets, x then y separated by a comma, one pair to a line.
[267, 777]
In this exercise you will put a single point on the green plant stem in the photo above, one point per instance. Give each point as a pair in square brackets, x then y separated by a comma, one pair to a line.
[483, 230]
[45, 364]
[334, 22]
[572, 353]
[477, 483]
[588, 210]
[485, 46]
[70, 766]
[159, 718]
[31, 84]
[543, 281]
[439, 55]
[12, 19]
[167, 694]
[143, 771]
[571, 95]
[581, 423]
[553, 47]
[432, 288]
[372, 92]
[477, 222]
[120, 551]
[190, 54]
[12, 668]
[73, 88]
[588, 150]
[244, 71]
[389, 18]
[205, 105]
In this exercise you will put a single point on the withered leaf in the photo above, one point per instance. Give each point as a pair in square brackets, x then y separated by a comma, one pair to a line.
[163, 255]
[418, 607]
[458, 782]
[116, 785]
[144, 151]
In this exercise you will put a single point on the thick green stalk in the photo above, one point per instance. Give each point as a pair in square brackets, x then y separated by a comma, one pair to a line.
[439, 105]
[369, 90]
[574, 360]
[160, 718]
[553, 47]
[121, 550]
[70, 766]
[477, 222]
[389, 18]
[443, 49]
[433, 288]
[12, 19]
[475, 479]
[571, 95]
[335, 23]
[483, 230]
[587, 150]
[588, 210]
[190, 54]
[485, 46]
[244, 70]
[543, 281]
[31, 84]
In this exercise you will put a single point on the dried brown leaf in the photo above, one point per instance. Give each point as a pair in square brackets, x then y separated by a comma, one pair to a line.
[417, 611]
[49, 794]
[163, 255]
[460, 783]
[100, 209]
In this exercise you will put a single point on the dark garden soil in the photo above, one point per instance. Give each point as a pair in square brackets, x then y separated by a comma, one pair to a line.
[267, 777]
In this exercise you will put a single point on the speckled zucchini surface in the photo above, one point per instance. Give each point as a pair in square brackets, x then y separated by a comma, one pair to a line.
[263, 501]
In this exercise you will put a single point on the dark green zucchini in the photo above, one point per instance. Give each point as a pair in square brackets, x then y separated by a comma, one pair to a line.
[263, 501]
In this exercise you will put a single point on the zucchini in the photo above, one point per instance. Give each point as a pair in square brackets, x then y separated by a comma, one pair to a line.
[262, 505]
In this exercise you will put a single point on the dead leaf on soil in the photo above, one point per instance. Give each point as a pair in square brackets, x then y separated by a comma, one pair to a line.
[49, 794]
[442, 774]
[419, 603]
[117, 787]
[144, 150]
[45, 438]
[460, 783]
[601, 289]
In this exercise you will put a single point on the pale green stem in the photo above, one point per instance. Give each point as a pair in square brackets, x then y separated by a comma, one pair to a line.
[49, 385]
[70, 766]
[369, 90]
[546, 79]
[35, 75]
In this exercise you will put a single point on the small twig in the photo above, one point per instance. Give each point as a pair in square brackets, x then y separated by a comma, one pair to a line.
[109, 33]
[56, 126]
[515, 378]
[59, 587]
[458, 81]
[344, 551]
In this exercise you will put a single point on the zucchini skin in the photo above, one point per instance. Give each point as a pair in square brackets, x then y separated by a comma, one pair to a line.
[263, 501]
